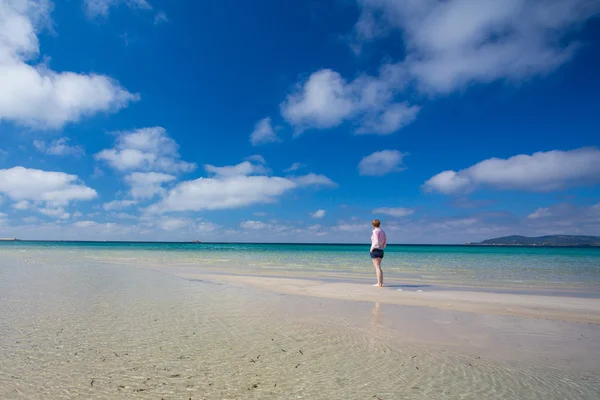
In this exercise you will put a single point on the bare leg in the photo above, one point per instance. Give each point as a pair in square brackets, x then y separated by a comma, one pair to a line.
[379, 272]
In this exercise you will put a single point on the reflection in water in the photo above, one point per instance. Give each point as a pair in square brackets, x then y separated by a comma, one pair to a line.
[377, 322]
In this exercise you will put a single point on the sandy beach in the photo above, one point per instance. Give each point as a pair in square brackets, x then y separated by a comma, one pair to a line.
[561, 308]
[81, 324]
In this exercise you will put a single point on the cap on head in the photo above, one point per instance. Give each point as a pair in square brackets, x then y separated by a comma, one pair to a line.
[376, 223]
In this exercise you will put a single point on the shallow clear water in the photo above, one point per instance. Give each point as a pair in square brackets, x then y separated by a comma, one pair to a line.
[552, 269]
[75, 325]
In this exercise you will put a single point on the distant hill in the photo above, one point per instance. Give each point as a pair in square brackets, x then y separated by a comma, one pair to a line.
[552, 240]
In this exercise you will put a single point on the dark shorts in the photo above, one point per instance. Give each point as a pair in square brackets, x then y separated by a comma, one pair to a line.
[377, 253]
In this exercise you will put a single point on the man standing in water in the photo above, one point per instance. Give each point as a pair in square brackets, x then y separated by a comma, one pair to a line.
[378, 243]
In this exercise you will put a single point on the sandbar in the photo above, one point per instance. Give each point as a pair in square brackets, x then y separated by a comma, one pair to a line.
[560, 308]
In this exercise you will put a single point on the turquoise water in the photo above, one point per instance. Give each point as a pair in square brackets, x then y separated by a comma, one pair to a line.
[552, 269]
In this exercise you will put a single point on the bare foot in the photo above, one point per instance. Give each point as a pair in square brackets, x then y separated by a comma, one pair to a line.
[377, 284]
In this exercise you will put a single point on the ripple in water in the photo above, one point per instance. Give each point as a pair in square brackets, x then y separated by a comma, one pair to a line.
[79, 329]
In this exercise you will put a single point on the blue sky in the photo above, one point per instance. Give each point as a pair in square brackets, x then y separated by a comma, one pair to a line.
[451, 121]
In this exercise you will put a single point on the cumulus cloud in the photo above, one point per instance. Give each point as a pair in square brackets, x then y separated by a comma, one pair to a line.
[381, 163]
[96, 8]
[540, 213]
[178, 225]
[314, 180]
[318, 214]
[233, 187]
[253, 225]
[171, 224]
[58, 212]
[118, 204]
[85, 224]
[223, 193]
[263, 133]
[206, 227]
[58, 147]
[326, 100]
[242, 169]
[147, 149]
[450, 44]
[394, 212]
[52, 188]
[266, 227]
[539, 172]
[145, 185]
[565, 218]
[22, 205]
[32, 94]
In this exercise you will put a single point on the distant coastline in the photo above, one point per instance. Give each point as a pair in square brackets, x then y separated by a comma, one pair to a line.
[543, 241]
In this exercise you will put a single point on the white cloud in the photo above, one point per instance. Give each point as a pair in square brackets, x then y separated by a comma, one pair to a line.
[118, 204]
[381, 163]
[447, 182]
[258, 158]
[317, 230]
[206, 227]
[326, 100]
[54, 212]
[36, 96]
[263, 133]
[84, 224]
[223, 193]
[564, 218]
[171, 224]
[242, 169]
[394, 212]
[184, 227]
[145, 185]
[294, 167]
[122, 215]
[77, 214]
[145, 149]
[453, 43]
[540, 213]
[253, 225]
[318, 214]
[233, 187]
[58, 147]
[352, 227]
[22, 205]
[314, 180]
[455, 222]
[54, 188]
[539, 172]
[389, 120]
[96, 8]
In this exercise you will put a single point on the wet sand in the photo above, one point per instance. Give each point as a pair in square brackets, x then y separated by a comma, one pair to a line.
[74, 328]
[562, 308]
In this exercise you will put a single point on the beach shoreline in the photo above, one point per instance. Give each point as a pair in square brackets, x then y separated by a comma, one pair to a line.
[559, 308]
[143, 327]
